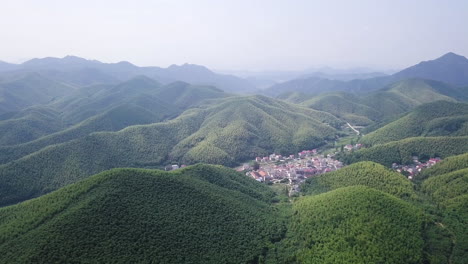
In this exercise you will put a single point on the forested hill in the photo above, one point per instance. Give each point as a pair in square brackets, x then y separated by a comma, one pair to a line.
[364, 173]
[236, 129]
[200, 214]
[384, 104]
[355, 224]
[440, 118]
[447, 184]
[101, 108]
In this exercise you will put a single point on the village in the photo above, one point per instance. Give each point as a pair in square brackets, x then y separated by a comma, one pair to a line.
[416, 167]
[291, 170]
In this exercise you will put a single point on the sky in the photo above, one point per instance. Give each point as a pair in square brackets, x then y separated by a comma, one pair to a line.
[255, 35]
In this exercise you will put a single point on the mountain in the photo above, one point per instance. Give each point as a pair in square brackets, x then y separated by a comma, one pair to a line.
[384, 104]
[5, 66]
[200, 214]
[29, 125]
[345, 106]
[355, 224]
[19, 91]
[78, 71]
[107, 108]
[233, 130]
[450, 68]
[365, 173]
[441, 118]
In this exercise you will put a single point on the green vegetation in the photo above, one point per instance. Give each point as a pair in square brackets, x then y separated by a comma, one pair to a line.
[29, 125]
[402, 151]
[380, 107]
[440, 118]
[353, 225]
[345, 106]
[200, 214]
[449, 164]
[236, 129]
[365, 173]
[447, 185]
[21, 90]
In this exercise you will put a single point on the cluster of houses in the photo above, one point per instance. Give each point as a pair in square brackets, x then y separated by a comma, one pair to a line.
[350, 147]
[292, 169]
[411, 170]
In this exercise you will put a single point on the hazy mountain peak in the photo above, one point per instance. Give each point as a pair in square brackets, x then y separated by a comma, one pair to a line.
[452, 56]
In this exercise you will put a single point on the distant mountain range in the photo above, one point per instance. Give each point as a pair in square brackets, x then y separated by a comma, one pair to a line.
[450, 68]
[80, 72]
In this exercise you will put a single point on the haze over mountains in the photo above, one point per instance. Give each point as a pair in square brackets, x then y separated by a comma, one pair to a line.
[450, 68]
[83, 145]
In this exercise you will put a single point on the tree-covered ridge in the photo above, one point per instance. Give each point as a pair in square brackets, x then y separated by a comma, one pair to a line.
[441, 118]
[447, 185]
[24, 89]
[111, 108]
[114, 119]
[33, 123]
[236, 129]
[354, 224]
[345, 106]
[201, 214]
[447, 165]
[365, 173]
[382, 105]
[402, 151]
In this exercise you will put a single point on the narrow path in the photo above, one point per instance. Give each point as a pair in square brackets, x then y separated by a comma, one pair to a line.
[355, 130]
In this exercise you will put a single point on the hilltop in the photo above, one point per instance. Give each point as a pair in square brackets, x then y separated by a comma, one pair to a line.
[355, 224]
[365, 173]
[201, 214]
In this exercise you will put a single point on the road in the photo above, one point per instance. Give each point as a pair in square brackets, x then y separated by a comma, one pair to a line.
[355, 130]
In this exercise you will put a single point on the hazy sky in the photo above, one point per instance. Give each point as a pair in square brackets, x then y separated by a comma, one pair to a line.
[236, 34]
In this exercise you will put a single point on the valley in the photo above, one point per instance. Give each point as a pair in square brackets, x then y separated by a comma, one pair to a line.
[116, 163]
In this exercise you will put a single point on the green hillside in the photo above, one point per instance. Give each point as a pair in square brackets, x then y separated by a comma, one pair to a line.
[364, 173]
[447, 165]
[402, 151]
[439, 118]
[354, 225]
[345, 106]
[111, 108]
[237, 129]
[200, 214]
[28, 125]
[447, 184]
[381, 105]
[21, 90]
[114, 119]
